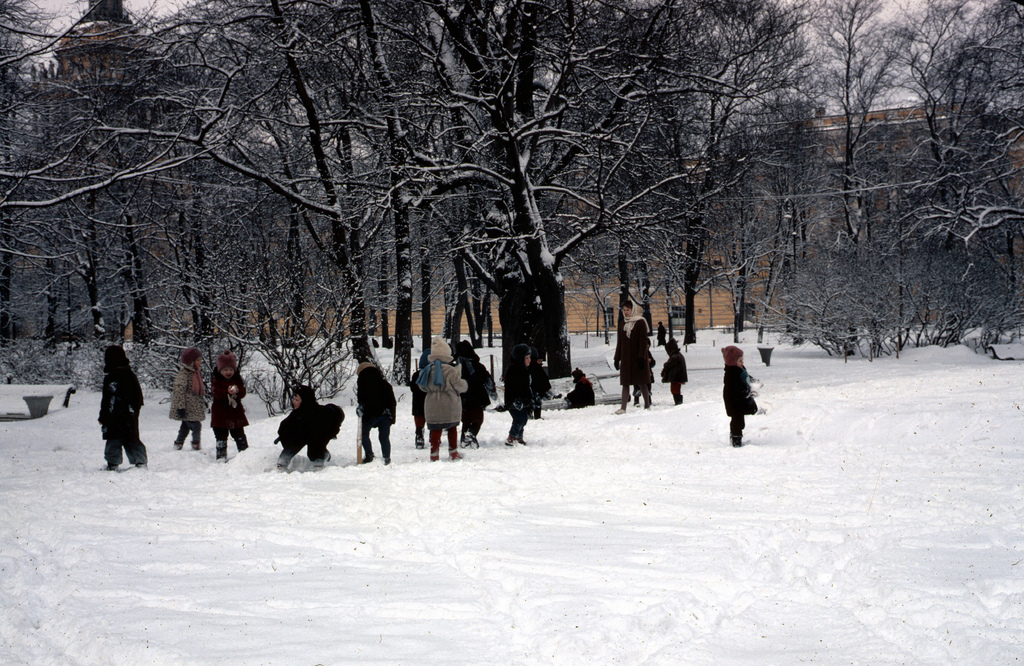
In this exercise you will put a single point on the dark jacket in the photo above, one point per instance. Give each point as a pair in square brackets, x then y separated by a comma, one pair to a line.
[122, 398]
[632, 356]
[311, 423]
[735, 390]
[418, 395]
[674, 370]
[481, 384]
[539, 382]
[374, 393]
[582, 394]
[518, 391]
[222, 413]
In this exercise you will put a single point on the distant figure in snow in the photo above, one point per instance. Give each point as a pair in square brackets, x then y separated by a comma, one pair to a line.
[582, 394]
[661, 334]
[442, 381]
[539, 382]
[418, 395]
[673, 372]
[378, 409]
[519, 396]
[632, 355]
[479, 394]
[737, 393]
[119, 411]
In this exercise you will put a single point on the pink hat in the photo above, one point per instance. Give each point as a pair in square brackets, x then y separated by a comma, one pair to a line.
[189, 356]
[732, 354]
[227, 360]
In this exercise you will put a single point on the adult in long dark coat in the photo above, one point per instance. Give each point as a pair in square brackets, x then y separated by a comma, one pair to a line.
[661, 334]
[632, 354]
[119, 411]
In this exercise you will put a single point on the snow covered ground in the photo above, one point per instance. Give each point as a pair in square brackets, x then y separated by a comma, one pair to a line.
[873, 518]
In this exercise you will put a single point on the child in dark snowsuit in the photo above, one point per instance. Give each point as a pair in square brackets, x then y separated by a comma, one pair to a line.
[518, 393]
[188, 398]
[477, 396]
[119, 411]
[377, 407]
[539, 382]
[736, 393]
[227, 415]
[310, 425]
[673, 372]
[583, 394]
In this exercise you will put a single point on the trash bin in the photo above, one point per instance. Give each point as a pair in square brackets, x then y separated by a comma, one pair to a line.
[766, 354]
[38, 405]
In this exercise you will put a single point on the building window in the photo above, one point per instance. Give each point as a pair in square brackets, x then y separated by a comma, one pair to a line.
[609, 318]
[677, 313]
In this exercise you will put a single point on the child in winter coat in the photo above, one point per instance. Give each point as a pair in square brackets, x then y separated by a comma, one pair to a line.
[188, 402]
[673, 372]
[583, 393]
[443, 383]
[310, 425]
[418, 395]
[539, 382]
[477, 396]
[377, 407]
[736, 393]
[518, 393]
[227, 415]
[119, 410]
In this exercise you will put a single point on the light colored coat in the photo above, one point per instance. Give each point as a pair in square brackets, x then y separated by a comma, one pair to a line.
[182, 397]
[443, 403]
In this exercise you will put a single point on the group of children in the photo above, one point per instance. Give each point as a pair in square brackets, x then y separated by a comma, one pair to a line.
[446, 391]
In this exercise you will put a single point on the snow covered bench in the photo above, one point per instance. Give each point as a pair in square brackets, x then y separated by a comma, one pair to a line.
[1012, 352]
[15, 398]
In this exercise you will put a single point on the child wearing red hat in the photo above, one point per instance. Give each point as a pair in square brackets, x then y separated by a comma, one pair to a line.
[227, 415]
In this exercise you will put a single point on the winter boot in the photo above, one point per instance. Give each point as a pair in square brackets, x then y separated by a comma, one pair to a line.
[222, 450]
[196, 446]
[419, 438]
[471, 440]
[453, 454]
[367, 458]
[511, 441]
[178, 445]
[678, 398]
[242, 443]
[521, 441]
[737, 441]
[435, 452]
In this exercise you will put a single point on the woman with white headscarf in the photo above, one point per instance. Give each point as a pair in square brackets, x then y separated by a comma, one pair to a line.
[631, 354]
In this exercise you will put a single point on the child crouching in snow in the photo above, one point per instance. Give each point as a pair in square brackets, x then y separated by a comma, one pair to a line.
[737, 393]
[119, 410]
[310, 425]
[227, 415]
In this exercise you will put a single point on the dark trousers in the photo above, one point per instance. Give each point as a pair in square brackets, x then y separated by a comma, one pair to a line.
[237, 434]
[519, 419]
[135, 450]
[736, 425]
[472, 420]
[195, 427]
[383, 425]
[314, 450]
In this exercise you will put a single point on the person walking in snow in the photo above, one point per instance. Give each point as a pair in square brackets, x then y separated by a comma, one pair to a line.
[519, 396]
[582, 395]
[227, 415]
[378, 409]
[188, 398]
[632, 354]
[661, 334]
[539, 382]
[478, 395]
[310, 425]
[673, 372]
[120, 405]
[442, 381]
[737, 393]
[418, 396]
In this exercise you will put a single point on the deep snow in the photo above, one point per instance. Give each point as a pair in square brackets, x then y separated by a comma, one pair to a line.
[873, 518]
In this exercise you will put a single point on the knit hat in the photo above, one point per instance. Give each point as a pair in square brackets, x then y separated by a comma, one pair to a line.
[439, 348]
[114, 357]
[190, 355]
[732, 355]
[671, 346]
[227, 360]
[363, 366]
[520, 352]
[577, 375]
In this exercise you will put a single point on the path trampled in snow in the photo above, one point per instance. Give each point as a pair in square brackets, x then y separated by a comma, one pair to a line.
[874, 517]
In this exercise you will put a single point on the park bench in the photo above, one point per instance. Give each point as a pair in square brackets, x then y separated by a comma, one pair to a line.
[36, 398]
